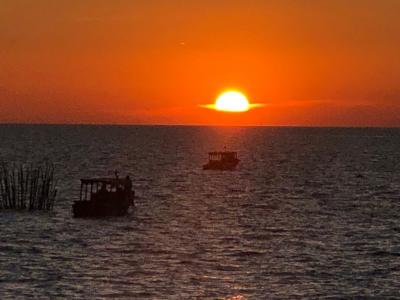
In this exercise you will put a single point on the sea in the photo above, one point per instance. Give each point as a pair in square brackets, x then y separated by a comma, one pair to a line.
[309, 213]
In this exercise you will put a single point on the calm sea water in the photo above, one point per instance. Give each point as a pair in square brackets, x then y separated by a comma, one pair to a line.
[309, 213]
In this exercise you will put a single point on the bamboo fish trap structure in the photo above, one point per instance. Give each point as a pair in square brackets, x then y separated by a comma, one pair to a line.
[31, 187]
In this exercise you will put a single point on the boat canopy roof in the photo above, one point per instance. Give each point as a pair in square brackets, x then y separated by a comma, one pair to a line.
[223, 153]
[102, 180]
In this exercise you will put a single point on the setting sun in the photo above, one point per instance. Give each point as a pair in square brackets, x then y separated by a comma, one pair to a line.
[232, 101]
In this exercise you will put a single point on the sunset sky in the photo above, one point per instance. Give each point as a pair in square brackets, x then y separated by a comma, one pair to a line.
[312, 63]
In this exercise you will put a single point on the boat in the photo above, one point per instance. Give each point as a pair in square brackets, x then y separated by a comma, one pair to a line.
[104, 197]
[222, 160]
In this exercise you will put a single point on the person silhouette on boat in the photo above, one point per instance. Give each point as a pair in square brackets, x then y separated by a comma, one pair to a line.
[128, 185]
[128, 188]
[101, 194]
[103, 189]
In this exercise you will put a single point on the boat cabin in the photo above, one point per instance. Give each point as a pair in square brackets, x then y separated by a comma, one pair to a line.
[101, 197]
[90, 188]
[222, 160]
[222, 156]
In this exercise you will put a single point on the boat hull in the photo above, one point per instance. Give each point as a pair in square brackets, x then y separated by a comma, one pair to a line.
[103, 205]
[221, 165]
[91, 209]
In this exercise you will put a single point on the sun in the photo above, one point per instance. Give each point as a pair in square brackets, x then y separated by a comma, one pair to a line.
[232, 101]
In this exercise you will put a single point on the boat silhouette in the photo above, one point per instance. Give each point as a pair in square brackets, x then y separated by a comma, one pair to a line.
[222, 160]
[103, 197]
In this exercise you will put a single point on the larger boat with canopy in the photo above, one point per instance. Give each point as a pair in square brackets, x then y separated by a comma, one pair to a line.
[222, 160]
[102, 197]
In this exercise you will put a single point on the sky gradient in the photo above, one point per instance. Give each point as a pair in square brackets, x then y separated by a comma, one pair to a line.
[313, 63]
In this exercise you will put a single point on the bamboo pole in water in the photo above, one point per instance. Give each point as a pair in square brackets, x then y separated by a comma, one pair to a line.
[32, 187]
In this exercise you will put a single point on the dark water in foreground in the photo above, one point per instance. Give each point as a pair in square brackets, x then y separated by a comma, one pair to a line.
[309, 213]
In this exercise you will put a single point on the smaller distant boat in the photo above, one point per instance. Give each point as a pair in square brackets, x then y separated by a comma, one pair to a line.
[104, 197]
[222, 160]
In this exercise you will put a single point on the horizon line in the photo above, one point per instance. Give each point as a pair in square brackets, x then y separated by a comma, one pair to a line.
[195, 125]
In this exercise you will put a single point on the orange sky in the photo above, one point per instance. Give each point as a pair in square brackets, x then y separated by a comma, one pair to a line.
[314, 63]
